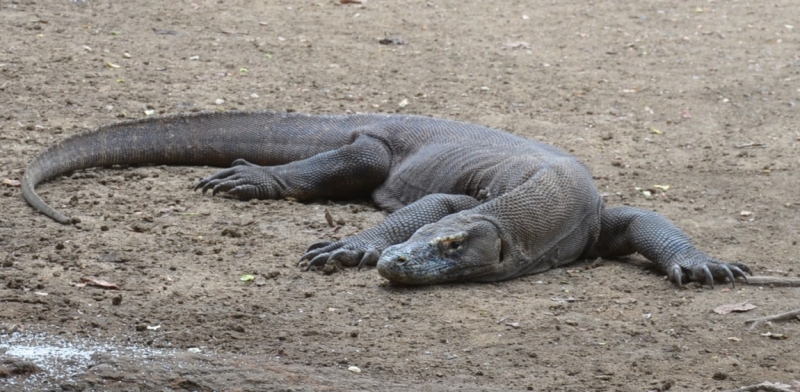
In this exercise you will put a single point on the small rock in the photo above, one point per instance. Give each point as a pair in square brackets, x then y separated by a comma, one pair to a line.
[392, 41]
[329, 269]
[720, 376]
[16, 367]
[116, 300]
[354, 369]
[231, 232]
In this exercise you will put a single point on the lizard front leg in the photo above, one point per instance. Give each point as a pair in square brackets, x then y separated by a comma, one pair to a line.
[365, 248]
[625, 230]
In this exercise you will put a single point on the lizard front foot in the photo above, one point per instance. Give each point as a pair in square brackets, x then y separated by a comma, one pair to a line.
[700, 267]
[350, 252]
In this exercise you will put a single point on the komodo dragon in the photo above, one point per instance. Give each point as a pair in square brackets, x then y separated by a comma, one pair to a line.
[467, 203]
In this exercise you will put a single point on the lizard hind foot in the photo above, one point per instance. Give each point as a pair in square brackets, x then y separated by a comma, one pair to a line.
[243, 180]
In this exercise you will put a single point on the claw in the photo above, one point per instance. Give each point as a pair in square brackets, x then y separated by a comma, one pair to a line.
[209, 184]
[729, 274]
[317, 245]
[316, 249]
[709, 276]
[675, 274]
[370, 256]
[242, 191]
[318, 260]
[738, 272]
[337, 255]
[744, 267]
[308, 256]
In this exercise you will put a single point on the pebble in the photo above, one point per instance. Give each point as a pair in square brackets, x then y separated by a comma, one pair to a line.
[354, 369]
[329, 269]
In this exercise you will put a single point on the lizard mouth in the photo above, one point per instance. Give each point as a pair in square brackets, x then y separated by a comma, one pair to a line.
[399, 266]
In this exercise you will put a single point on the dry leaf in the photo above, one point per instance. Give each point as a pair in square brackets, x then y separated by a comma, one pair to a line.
[518, 45]
[10, 182]
[740, 307]
[735, 339]
[329, 218]
[99, 283]
[247, 278]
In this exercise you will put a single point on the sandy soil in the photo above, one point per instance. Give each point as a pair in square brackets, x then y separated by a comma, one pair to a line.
[646, 92]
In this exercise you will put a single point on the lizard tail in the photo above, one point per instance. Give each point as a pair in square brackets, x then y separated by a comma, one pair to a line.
[204, 139]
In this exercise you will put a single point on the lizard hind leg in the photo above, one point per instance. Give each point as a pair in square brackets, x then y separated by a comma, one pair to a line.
[351, 171]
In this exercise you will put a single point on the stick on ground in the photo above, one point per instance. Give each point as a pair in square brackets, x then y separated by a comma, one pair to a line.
[792, 314]
[765, 387]
[782, 281]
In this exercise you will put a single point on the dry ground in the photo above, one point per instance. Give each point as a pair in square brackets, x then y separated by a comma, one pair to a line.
[646, 92]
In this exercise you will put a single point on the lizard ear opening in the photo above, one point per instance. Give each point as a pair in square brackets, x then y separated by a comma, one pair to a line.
[505, 252]
[498, 245]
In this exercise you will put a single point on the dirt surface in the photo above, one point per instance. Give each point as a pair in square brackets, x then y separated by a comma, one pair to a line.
[647, 93]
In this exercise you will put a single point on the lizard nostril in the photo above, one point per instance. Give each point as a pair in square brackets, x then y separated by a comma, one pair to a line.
[401, 259]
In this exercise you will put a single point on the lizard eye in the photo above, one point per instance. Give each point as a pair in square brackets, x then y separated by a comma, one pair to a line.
[455, 245]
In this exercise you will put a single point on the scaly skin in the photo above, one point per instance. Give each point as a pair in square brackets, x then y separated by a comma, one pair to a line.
[468, 203]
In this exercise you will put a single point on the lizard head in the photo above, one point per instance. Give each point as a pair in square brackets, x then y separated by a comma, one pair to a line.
[460, 247]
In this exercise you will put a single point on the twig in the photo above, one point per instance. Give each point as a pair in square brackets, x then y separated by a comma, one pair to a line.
[779, 281]
[776, 317]
[766, 387]
[747, 145]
